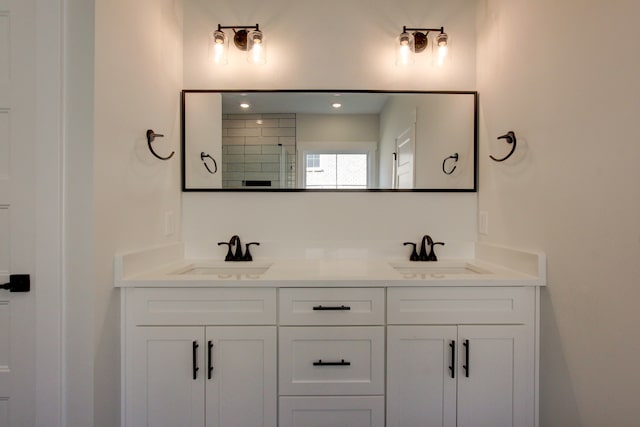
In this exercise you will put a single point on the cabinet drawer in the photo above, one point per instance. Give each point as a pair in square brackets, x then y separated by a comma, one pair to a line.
[332, 306]
[331, 360]
[343, 411]
[407, 306]
[207, 306]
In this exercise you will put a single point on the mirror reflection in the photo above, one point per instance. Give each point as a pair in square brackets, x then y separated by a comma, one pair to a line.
[292, 140]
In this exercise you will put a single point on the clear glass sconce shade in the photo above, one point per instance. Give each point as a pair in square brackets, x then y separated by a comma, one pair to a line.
[256, 47]
[441, 48]
[404, 49]
[218, 47]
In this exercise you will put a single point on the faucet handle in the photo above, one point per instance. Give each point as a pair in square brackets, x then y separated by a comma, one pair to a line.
[414, 254]
[247, 254]
[229, 256]
[432, 255]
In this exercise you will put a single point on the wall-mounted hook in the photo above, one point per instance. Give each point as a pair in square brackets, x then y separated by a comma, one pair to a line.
[444, 162]
[151, 136]
[203, 156]
[511, 139]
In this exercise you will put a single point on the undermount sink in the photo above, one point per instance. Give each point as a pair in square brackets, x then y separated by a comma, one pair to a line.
[436, 268]
[235, 269]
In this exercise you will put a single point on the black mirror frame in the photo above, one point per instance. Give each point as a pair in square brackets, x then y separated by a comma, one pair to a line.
[295, 190]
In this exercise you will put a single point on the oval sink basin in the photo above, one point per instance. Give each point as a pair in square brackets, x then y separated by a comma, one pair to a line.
[425, 268]
[227, 269]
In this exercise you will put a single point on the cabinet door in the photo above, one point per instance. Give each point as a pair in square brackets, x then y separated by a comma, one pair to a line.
[495, 377]
[160, 377]
[421, 388]
[241, 376]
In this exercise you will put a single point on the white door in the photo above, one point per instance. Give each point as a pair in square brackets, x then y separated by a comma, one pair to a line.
[421, 384]
[17, 206]
[405, 159]
[241, 376]
[495, 377]
[167, 377]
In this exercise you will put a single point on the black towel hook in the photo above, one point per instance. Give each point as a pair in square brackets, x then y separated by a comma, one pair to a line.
[203, 156]
[444, 162]
[151, 136]
[511, 139]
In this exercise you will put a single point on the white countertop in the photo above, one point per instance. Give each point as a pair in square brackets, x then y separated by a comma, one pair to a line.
[493, 266]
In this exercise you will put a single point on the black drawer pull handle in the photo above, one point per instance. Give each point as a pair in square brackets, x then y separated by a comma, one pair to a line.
[323, 308]
[195, 360]
[340, 363]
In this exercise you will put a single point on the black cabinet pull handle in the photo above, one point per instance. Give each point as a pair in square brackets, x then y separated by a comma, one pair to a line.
[210, 362]
[466, 355]
[323, 308]
[195, 359]
[452, 367]
[340, 363]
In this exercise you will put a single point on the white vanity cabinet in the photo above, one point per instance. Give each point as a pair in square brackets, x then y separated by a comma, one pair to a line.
[178, 374]
[331, 357]
[394, 356]
[461, 357]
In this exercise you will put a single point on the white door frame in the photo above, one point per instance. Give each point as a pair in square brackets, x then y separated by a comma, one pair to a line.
[49, 272]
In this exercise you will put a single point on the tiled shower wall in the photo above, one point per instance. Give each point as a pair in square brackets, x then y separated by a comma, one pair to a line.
[251, 148]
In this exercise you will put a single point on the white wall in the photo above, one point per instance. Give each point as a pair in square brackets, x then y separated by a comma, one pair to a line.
[564, 76]
[136, 84]
[304, 225]
[331, 44]
[78, 214]
[337, 128]
[327, 45]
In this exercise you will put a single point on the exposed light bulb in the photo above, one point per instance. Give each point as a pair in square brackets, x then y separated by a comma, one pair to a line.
[256, 48]
[405, 49]
[442, 42]
[336, 105]
[244, 105]
[218, 47]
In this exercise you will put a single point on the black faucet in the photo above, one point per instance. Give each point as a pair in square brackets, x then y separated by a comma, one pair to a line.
[425, 255]
[237, 256]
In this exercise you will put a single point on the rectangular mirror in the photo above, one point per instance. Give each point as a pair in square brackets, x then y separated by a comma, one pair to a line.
[329, 141]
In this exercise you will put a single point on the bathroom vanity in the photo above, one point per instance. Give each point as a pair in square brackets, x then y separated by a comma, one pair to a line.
[317, 342]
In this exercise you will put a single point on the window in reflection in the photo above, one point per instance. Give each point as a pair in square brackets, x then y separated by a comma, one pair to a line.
[336, 170]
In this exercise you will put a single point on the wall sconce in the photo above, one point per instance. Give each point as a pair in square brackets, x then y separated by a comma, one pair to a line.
[253, 42]
[416, 40]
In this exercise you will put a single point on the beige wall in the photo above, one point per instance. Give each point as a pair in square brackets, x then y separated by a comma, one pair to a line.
[564, 76]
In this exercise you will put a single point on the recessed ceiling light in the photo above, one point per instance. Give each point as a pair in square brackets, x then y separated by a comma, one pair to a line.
[336, 105]
[244, 105]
